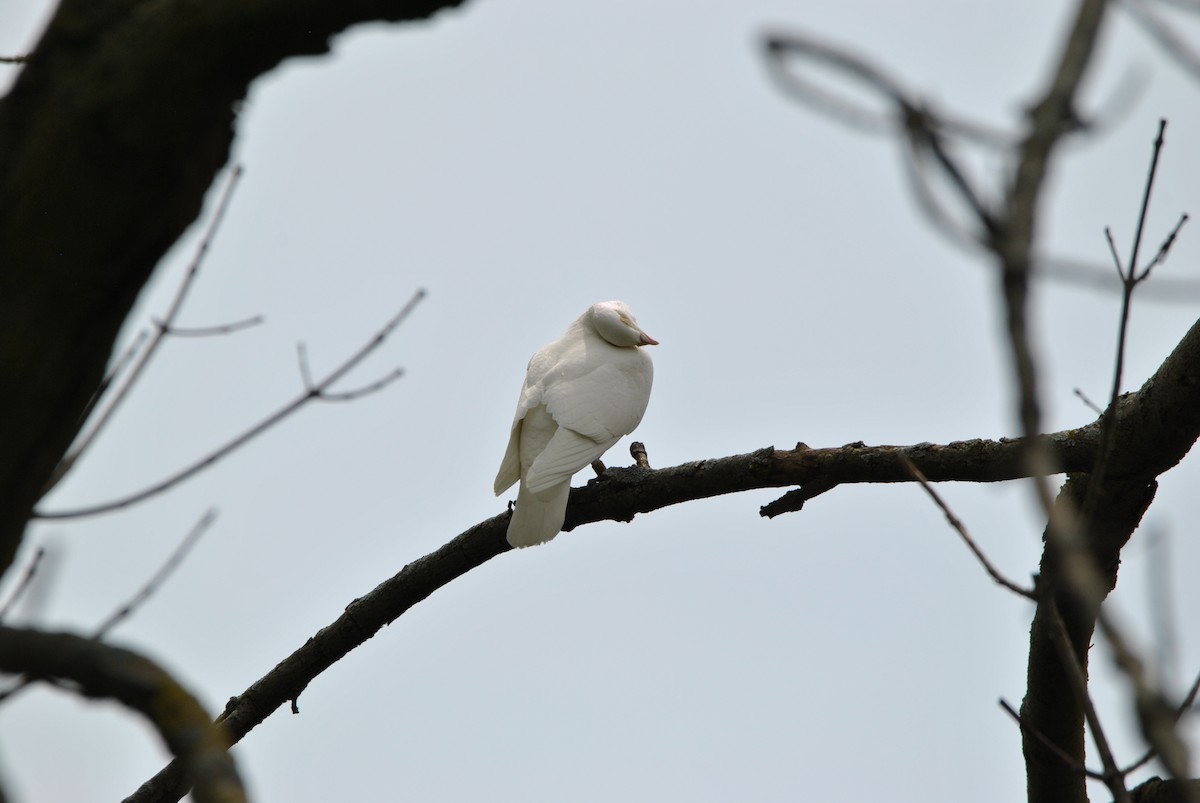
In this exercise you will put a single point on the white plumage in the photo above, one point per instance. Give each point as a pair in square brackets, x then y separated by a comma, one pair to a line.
[582, 394]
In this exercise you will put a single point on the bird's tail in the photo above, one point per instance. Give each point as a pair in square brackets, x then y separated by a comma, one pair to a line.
[538, 517]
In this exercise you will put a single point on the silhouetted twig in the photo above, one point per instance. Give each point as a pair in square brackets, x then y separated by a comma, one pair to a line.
[961, 529]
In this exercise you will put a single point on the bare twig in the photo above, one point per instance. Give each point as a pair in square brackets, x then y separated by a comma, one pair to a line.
[1163, 249]
[159, 577]
[1052, 117]
[305, 371]
[365, 390]
[1162, 32]
[923, 129]
[1112, 776]
[120, 365]
[637, 450]
[1131, 276]
[125, 610]
[874, 78]
[1187, 703]
[1050, 745]
[317, 391]
[13, 59]
[1095, 408]
[23, 584]
[208, 331]
[1156, 718]
[101, 421]
[961, 529]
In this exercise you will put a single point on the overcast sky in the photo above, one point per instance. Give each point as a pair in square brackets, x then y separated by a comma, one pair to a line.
[521, 161]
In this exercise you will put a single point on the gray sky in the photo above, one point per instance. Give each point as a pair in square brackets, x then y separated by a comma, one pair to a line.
[521, 161]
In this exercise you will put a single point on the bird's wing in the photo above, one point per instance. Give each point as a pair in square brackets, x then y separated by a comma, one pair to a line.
[510, 466]
[565, 453]
[603, 397]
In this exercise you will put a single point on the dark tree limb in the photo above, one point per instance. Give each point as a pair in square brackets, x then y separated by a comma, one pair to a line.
[1173, 394]
[101, 670]
[1154, 428]
[115, 128]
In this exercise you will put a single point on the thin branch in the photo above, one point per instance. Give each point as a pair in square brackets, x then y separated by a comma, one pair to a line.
[13, 59]
[1187, 703]
[1050, 119]
[23, 584]
[120, 365]
[318, 390]
[106, 415]
[924, 129]
[365, 390]
[1163, 249]
[159, 577]
[862, 71]
[1145, 210]
[961, 529]
[1066, 757]
[144, 593]
[1091, 405]
[208, 331]
[1155, 716]
[1162, 32]
[626, 492]
[1112, 776]
[1130, 279]
[305, 371]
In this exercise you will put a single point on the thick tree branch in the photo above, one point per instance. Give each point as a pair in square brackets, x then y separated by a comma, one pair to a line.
[132, 106]
[1152, 431]
[101, 670]
[1165, 412]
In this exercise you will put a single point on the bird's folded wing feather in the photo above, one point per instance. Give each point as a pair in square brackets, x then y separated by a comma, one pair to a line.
[604, 403]
[566, 453]
[510, 466]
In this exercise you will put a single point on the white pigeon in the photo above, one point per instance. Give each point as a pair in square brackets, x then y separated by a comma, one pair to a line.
[582, 394]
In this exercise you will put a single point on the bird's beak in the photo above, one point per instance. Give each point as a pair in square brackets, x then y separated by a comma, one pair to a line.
[647, 340]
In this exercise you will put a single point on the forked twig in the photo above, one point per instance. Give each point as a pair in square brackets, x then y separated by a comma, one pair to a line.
[313, 391]
[1131, 277]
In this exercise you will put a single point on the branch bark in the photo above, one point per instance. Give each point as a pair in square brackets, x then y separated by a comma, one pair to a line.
[113, 132]
[101, 670]
[1154, 428]
[1166, 412]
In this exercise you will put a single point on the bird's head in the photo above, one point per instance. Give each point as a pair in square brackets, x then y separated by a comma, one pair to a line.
[615, 323]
